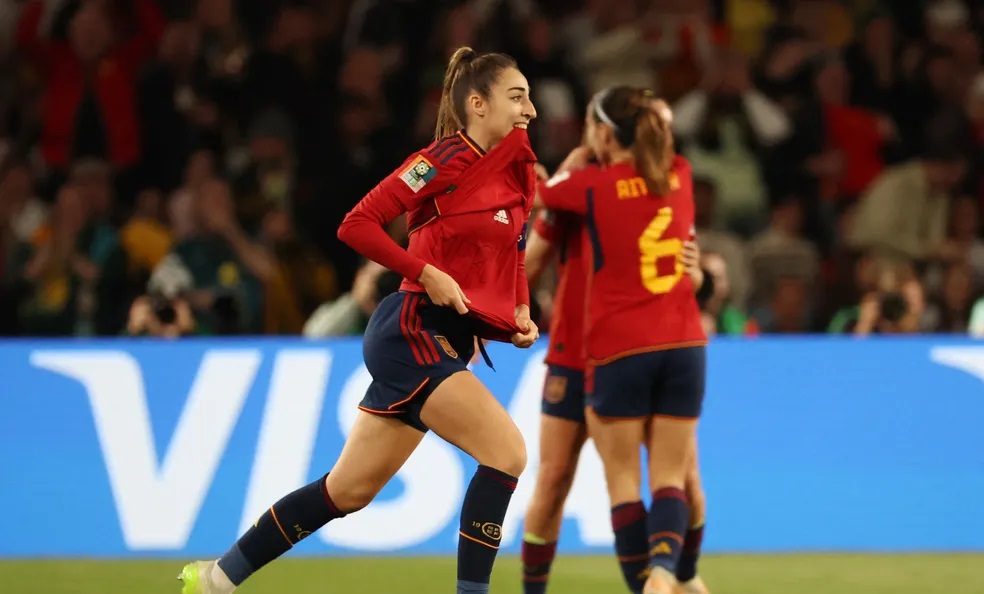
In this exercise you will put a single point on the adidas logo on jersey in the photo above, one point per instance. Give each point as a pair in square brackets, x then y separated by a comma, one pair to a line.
[502, 217]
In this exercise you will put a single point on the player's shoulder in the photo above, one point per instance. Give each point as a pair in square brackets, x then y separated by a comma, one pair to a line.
[583, 175]
[438, 162]
[681, 165]
[452, 153]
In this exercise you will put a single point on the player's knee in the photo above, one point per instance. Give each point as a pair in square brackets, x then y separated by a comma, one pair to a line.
[351, 497]
[667, 475]
[508, 457]
[623, 488]
[555, 480]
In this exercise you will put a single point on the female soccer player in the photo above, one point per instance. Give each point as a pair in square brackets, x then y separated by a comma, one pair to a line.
[468, 196]
[562, 426]
[645, 345]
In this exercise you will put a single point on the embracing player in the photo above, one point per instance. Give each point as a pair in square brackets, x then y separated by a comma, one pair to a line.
[645, 366]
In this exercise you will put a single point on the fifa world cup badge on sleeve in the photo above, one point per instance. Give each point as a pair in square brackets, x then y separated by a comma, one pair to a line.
[418, 173]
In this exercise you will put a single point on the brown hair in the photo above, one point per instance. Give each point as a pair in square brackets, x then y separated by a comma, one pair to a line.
[639, 121]
[467, 71]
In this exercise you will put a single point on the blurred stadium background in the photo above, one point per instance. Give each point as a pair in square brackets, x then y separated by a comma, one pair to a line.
[176, 169]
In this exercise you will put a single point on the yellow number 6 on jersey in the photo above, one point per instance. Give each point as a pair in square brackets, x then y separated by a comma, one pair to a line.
[652, 247]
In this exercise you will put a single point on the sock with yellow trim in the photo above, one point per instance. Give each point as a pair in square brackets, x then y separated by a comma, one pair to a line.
[480, 531]
[667, 522]
[538, 555]
[631, 537]
[287, 522]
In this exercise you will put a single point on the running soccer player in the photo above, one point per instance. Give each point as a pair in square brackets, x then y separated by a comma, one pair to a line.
[468, 196]
[645, 366]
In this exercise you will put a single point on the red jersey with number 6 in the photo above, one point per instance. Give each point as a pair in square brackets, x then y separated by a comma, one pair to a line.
[639, 297]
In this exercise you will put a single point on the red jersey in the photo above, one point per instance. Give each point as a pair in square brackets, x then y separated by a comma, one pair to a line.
[639, 298]
[563, 230]
[467, 215]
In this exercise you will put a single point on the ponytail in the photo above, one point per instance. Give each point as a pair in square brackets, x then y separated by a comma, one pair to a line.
[468, 71]
[640, 122]
[448, 119]
[653, 147]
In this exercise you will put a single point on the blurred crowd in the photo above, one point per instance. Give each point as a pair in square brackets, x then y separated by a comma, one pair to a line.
[177, 167]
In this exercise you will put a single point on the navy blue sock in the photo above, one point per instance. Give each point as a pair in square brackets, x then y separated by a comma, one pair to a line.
[287, 522]
[631, 543]
[667, 523]
[687, 566]
[482, 513]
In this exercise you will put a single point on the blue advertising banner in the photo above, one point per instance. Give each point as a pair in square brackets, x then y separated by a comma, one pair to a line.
[141, 448]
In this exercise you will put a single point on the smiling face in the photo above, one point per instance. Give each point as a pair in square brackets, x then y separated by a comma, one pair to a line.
[506, 106]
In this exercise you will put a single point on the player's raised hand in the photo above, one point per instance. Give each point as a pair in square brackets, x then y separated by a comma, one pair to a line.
[690, 257]
[577, 159]
[528, 329]
[443, 290]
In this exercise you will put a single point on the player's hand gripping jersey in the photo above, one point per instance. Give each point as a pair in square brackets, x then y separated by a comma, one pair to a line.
[563, 230]
[639, 298]
[467, 217]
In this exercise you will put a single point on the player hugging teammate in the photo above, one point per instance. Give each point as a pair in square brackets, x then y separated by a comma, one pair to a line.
[626, 362]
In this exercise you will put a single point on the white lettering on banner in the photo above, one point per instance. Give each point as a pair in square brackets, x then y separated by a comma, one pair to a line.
[426, 506]
[158, 505]
[588, 499]
[291, 420]
[967, 359]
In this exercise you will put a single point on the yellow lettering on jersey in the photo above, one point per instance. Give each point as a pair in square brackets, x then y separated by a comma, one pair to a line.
[631, 188]
[639, 187]
[622, 189]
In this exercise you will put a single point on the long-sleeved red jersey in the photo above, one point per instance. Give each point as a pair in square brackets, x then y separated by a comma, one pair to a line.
[640, 298]
[467, 215]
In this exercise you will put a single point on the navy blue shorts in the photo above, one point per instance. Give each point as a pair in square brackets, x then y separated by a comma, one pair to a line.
[563, 393]
[410, 346]
[666, 383]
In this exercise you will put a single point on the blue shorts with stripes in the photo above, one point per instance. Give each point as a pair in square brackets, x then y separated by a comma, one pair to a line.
[410, 346]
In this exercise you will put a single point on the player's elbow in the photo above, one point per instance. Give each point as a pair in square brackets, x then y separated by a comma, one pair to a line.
[348, 230]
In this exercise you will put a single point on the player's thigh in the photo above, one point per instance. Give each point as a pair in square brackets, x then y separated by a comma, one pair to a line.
[562, 428]
[463, 412]
[375, 449]
[670, 445]
[618, 442]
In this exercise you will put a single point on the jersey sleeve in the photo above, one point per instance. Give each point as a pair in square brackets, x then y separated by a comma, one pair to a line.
[364, 227]
[545, 225]
[566, 191]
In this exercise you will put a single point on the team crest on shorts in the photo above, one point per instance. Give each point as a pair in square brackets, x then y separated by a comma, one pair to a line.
[446, 346]
[554, 389]
[418, 173]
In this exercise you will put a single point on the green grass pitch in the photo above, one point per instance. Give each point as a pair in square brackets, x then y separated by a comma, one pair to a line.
[730, 574]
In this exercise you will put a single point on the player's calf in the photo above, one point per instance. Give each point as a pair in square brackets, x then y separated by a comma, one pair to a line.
[288, 521]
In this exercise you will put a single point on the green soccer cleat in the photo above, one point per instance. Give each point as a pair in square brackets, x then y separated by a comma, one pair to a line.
[196, 578]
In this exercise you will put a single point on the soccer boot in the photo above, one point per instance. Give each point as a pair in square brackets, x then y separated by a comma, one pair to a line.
[196, 578]
[694, 586]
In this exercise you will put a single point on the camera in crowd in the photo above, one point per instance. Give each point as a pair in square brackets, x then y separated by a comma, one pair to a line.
[893, 307]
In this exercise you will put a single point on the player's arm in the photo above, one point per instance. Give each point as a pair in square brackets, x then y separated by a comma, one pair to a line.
[541, 244]
[364, 227]
[566, 191]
